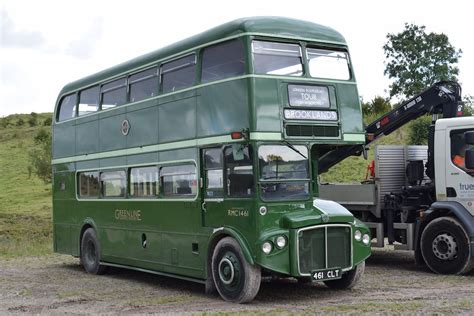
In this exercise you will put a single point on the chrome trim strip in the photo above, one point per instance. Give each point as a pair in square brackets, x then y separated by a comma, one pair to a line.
[218, 200]
[326, 247]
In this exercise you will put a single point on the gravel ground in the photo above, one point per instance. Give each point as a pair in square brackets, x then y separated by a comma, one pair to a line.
[56, 284]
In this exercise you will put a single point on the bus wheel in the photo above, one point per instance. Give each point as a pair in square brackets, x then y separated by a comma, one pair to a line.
[349, 279]
[90, 253]
[445, 246]
[236, 280]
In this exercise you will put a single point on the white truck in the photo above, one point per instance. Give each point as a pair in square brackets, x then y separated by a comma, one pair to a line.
[428, 210]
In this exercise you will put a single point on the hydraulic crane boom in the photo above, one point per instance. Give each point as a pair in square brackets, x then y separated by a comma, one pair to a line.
[443, 97]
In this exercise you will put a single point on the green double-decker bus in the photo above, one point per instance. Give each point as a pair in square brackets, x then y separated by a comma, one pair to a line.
[200, 160]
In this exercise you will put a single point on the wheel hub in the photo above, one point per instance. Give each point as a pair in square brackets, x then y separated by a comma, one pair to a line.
[444, 247]
[226, 270]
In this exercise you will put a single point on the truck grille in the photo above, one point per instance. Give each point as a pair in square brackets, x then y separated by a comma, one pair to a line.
[324, 247]
[312, 131]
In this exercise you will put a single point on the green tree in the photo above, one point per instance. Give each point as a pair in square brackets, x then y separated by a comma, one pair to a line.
[40, 156]
[468, 105]
[418, 131]
[416, 60]
[378, 106]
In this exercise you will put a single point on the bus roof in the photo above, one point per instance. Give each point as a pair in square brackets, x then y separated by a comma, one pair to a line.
[271, 26]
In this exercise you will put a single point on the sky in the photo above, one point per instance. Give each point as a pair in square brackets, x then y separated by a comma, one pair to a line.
[46, 44]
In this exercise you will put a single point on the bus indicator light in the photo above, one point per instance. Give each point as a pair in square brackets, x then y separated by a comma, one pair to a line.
[236, 135]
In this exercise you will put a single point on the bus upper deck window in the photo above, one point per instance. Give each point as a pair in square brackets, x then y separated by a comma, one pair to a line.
[89, 100]
[144, 84]
[67, 108]
[114, 93]
[328, 64]
[277, 58]
[222, 61]
[178, 74]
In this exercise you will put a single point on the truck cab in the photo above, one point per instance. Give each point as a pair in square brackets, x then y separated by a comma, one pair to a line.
[421, 197]
[454, 182]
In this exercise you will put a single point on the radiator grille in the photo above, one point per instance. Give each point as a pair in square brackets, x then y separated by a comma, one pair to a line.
[324, 247]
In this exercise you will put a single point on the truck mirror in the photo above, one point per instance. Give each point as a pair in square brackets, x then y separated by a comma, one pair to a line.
[469, 159]
[469, 137]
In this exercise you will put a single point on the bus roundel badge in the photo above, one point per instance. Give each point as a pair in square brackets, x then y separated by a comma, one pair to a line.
[125, 127]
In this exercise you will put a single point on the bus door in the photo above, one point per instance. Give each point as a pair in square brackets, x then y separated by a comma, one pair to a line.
[228, 187]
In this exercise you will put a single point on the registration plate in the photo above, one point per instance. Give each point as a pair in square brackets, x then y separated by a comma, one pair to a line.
[325, 275]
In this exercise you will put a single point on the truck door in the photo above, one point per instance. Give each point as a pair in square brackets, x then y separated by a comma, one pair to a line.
[459, 182]
[229, 186]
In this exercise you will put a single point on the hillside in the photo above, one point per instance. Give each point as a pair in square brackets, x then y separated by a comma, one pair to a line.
[353, 169]
[25, 207]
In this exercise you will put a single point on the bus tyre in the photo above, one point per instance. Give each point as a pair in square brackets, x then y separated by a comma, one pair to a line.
[445, 246]
[90, 253]
[349, 279]
[236, 280]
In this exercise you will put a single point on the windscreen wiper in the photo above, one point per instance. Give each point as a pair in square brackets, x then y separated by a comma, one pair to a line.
[293, 148]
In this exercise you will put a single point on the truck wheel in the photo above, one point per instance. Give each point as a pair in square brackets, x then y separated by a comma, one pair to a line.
[445, 246]
[90, 253]
[349, 279]
[236, 280]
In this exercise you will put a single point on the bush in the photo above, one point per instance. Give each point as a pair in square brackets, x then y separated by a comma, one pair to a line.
[418, 131]
[33, 121]
[20, 122]
[41, 137]
[47, 121]
[5, 122]
[40, 156]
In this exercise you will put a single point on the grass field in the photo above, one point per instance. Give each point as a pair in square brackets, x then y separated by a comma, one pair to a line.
[25, 207]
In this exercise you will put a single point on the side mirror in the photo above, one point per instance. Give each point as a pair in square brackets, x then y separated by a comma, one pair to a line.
[469, 137]
[469, 159]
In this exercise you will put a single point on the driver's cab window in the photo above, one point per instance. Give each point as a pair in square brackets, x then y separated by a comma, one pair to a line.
[239, 171]
[213, 170]
[459, 148]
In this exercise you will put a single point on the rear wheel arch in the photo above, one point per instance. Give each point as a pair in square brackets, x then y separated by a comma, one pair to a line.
[91, 252]
[87, 223]
[83, 229]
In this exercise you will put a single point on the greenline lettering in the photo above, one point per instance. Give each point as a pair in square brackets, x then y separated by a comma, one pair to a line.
[128, 215]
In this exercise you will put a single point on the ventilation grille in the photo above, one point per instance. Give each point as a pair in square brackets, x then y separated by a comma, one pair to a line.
[312, 131]
[324, 247]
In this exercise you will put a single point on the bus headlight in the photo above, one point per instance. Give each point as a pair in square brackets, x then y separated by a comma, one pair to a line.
[358, 235]
[267, 247]
[281, 242]
[366, 239]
